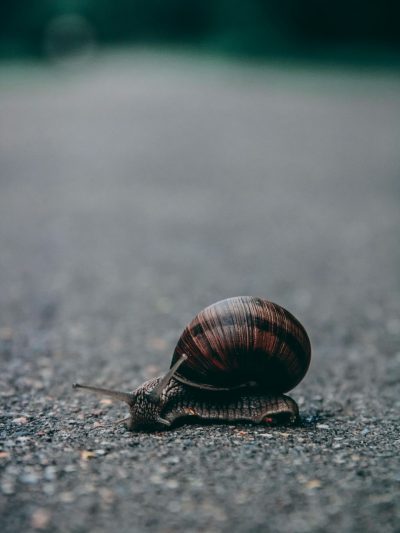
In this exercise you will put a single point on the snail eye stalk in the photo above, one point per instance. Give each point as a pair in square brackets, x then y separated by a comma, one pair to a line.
[155, 394]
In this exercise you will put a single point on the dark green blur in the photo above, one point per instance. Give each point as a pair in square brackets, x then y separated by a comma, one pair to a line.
[247, 27]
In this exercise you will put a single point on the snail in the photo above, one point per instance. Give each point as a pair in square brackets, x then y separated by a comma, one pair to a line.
[233, 362]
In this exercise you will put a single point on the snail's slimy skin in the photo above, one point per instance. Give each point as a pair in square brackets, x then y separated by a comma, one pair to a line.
[182, 402]
[244, 405]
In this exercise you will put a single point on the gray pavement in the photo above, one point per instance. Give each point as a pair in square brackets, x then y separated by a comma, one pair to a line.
[138, 190]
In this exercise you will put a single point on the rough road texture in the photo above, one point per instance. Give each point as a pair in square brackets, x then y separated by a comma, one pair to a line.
[138, 191]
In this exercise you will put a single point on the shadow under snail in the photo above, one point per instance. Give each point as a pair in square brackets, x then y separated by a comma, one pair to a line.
[233, 362]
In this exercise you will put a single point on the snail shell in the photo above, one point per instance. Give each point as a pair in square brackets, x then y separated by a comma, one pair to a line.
[243, 340]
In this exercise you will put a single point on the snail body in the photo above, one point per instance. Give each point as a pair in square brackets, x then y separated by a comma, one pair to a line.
[233, 362]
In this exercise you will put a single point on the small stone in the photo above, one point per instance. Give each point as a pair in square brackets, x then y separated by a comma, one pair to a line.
[86, 455]
[323, 426]
[49, 489]
[21, 420]
[156, 479]
[7, 487]
[172, 484]
[107, 496]
[100, 452]
[106, 401]
[4, 455]
[23, 439]
[29, 478]
[66, 497]
[172, 460]
[50, 473]
[196, 483]
[40, 519]
[313, 484]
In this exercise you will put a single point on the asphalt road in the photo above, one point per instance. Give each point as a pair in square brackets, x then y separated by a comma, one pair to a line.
[140, 189]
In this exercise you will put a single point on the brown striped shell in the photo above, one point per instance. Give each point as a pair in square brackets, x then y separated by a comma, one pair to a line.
[243, 340]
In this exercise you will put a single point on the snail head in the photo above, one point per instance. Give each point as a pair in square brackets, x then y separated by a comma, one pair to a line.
[145, 403]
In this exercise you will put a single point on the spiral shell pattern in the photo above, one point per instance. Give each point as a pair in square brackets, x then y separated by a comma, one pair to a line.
[243, 340]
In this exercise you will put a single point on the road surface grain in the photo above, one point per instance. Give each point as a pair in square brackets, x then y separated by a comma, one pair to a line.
[138, 190]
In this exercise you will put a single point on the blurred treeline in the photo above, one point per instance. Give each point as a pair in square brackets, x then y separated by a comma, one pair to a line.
[252, 27]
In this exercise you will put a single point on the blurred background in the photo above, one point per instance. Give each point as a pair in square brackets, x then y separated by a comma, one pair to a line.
[157, 156]
[344, 29]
